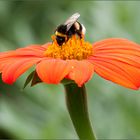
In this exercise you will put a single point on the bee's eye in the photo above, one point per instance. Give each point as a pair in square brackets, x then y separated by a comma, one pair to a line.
[61, 38]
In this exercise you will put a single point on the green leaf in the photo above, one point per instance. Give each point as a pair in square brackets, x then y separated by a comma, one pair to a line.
[29, 78]
[36, 79]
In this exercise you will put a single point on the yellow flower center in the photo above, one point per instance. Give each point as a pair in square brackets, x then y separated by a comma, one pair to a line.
[74, 48]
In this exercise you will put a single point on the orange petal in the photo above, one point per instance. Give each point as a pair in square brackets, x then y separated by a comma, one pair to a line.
[81, 72]
[13, 70]
[32, 50]
[118, 60]
[7, 54]
[29, 51]
[52, 71]
[4, 63]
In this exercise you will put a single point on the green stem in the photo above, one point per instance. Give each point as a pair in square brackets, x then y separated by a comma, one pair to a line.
[76, 101]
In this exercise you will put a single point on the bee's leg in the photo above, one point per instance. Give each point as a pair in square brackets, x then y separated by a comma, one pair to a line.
[79, 34]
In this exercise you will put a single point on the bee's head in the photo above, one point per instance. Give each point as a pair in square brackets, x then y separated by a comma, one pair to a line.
[60, 34]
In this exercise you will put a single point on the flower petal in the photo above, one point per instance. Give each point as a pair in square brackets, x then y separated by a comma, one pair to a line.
[32, 50]
[81, 72]
[118, 60]
[52, 71]
[29, 51]
[12, 71]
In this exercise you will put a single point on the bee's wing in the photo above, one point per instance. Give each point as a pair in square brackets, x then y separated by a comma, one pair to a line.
[71, 20]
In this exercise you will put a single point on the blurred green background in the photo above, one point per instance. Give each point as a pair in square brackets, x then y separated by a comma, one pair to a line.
[40, 111]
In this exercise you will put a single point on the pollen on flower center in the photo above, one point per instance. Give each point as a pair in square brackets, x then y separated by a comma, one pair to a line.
[74, 48]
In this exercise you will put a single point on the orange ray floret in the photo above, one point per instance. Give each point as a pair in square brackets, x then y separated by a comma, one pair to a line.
[53, 70]
[15, 63]
[118, 60]
[13, 70]
[81, 71]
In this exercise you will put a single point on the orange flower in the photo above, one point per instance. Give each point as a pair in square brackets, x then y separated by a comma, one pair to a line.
[115, 59]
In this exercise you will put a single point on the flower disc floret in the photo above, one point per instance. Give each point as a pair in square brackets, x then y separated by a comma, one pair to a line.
[75, 48]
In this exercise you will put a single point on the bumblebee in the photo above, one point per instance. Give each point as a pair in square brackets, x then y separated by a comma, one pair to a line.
[71, 27]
